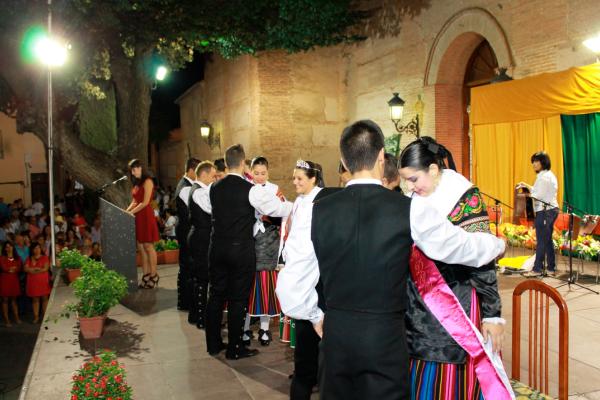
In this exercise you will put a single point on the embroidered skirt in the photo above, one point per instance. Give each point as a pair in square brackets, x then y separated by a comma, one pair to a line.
[263, 300]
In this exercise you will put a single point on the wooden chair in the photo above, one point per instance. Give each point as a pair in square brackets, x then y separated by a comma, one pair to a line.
[539, 312]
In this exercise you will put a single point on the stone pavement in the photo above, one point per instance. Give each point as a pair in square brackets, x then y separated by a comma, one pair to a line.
[165, 357]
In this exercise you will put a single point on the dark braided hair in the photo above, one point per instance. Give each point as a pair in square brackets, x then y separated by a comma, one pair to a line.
[425, 151]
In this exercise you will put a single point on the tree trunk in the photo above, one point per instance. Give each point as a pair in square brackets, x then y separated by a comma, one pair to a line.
[132, 86]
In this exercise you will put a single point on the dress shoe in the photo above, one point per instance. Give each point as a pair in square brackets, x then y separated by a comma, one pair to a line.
[241, 353]
[261, 337]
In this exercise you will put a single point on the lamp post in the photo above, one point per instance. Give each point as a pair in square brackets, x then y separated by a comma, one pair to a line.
[52, 54]
[396, 105]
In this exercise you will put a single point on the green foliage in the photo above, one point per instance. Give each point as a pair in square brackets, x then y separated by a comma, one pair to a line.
[98, 120]
[71, 259]
[160, 245]
[171, 245]
[97, 289]
[392, 144]
[102, 377]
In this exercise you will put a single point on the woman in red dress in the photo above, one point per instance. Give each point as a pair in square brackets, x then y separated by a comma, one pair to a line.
[38, 279]
[146, 229]
[10, 289]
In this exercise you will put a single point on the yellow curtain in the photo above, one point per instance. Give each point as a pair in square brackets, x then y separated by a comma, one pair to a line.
[573, 91]
[502, 155]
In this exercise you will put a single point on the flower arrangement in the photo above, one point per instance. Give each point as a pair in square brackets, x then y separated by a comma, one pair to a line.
[586, 247]
[101, 378]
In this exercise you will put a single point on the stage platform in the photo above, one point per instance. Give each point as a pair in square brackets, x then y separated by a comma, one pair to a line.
[165, 357]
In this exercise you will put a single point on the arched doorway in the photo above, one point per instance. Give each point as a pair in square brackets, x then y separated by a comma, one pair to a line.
[481, 69]
[465, 53]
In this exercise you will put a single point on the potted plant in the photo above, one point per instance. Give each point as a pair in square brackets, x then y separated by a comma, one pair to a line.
[97, 290]
[102, 377]
[71, 261]
[171, 252]
[160, 251]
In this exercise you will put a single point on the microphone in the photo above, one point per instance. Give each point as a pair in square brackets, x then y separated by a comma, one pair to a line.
[106, 185]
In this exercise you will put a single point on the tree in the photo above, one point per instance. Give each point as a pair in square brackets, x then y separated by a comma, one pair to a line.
[116, 44]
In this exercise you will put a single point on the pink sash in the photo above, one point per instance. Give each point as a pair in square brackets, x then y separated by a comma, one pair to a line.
[446, 308]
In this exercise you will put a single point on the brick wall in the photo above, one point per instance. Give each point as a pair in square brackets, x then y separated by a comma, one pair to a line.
[295, 106]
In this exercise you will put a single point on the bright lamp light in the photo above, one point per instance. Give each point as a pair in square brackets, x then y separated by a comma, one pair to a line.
[593, 44]
[161, 72]
[50, 52]
[396, 105]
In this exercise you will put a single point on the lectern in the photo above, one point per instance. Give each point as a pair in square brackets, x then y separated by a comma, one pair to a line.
[118, 242]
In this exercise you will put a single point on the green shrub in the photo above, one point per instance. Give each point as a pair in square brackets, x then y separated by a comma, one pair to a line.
[97, 290]
[71, 259]
[171, 245]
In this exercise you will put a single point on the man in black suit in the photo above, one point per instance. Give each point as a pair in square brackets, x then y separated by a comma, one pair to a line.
[362, 237]
[182, 229]
[232, 201]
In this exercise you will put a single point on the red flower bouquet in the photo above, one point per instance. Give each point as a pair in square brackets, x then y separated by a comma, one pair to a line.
[101, 378]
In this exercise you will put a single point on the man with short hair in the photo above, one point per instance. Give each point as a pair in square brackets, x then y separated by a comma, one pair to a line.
[391, 176]
[232, 201]
[362, 237]
[182, 195]
[221, 168]
[198, 241]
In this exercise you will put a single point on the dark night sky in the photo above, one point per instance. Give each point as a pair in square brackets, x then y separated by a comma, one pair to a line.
[164, 110]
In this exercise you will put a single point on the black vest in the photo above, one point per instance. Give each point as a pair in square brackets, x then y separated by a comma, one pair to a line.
[183, 221]
[199, 220]
[362, 240]
[232, 214]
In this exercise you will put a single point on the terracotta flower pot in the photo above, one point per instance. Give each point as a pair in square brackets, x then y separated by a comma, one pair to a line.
[91, 327]
[73, 273]
[160, 257]
[172, 256]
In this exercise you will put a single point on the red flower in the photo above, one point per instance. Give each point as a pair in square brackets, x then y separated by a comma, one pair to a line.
[113, 362]
[80, 378]
[118, 378]
[74, 397]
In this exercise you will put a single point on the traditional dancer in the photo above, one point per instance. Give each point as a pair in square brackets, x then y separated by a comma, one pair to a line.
[182, 229]
[263, 302]
[232, 264]
[362, 237]
[198, 241]
[293, 284]
[440, 367]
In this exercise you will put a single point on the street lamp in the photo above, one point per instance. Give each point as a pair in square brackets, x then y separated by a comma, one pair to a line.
[396, 105]
[51, 53]
[161, 72]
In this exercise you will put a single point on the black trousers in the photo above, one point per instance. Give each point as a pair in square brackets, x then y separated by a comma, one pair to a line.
[198, 241]
[544, 252]
[364, 357]
[306, 361]
[183, 276]
[231, 268]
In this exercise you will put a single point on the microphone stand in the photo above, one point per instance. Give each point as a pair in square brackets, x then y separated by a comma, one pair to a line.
[571, 280]
[498, 205]
[103, 188]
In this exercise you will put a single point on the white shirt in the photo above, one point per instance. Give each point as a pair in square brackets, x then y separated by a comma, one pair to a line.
[198, 194]
[296, 282]
[545, 189]
[38, 208]
[431, 231]
[170, 226]
[259, 226]
[263, 201]
[184, 194]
